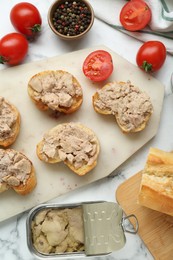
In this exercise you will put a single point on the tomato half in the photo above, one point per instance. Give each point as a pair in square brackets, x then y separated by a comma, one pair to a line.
[151, 56]
[26, 18]
[135, 15]
[13, 48]
[98, 65]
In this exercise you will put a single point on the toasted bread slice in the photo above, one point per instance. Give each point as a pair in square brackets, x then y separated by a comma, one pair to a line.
[131, 107]
[17, 172]
[9, 123]
[55, 90]
[156, 188]
[74, 144]
[28, 187]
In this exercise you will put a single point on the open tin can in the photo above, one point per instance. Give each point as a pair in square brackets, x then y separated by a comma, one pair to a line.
[103, 227]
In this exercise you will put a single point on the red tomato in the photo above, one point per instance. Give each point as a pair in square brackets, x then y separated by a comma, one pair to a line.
[151, 56]
[135, 15]
[98, 65]
[26, 19]
[13, 48]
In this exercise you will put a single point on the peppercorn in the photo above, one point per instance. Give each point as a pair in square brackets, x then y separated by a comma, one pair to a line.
[71, 18]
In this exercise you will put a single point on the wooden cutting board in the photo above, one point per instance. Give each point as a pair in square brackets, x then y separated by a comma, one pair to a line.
[155, 228]
[57, 179]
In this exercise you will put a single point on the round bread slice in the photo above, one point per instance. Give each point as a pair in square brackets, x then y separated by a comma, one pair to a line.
[55, 90]
[9, 123]
[74, 144]
[131, 107]
[16, 172]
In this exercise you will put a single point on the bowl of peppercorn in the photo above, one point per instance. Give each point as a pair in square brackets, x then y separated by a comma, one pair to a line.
[70, 19]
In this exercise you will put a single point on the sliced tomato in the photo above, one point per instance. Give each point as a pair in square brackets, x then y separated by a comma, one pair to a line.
[98, 65]
[135, 15]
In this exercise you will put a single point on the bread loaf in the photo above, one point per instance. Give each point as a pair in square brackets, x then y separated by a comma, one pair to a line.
[9, 123]
[55, 90]
[74, 144]
[16, 172]
[131, 107]
[156, 189]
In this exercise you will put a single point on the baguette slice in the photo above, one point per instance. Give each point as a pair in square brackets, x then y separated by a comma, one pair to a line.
[55, 90]
[131, 107]
[19, 173]
[74, 144]
[156, 188]
[9, 130]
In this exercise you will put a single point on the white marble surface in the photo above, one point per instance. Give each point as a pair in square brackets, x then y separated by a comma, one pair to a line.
[112, 146]
[12, 232]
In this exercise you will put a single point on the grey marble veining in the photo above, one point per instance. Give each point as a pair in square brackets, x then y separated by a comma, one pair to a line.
[13, 244]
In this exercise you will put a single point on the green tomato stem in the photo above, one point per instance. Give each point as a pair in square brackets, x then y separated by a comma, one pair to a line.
[36, 28]
[3, 60]
[148, 67]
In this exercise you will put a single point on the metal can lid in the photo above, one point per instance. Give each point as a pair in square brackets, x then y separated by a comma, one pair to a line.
[103, 228]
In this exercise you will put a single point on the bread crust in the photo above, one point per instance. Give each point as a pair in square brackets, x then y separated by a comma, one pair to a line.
[156, 188]
[5, 142]
[77, 100]
[108, 111]
[79, 171]
[22, 189]
[29, 186]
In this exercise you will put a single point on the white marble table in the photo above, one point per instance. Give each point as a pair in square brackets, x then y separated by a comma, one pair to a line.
[12, 231]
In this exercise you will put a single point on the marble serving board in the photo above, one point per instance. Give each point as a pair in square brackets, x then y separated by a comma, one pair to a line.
[116, 147]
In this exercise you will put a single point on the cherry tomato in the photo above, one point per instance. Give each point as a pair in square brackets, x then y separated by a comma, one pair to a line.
[135, 15]
[13, 48]
[98, 65]
[26, 19]
[151, 56]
